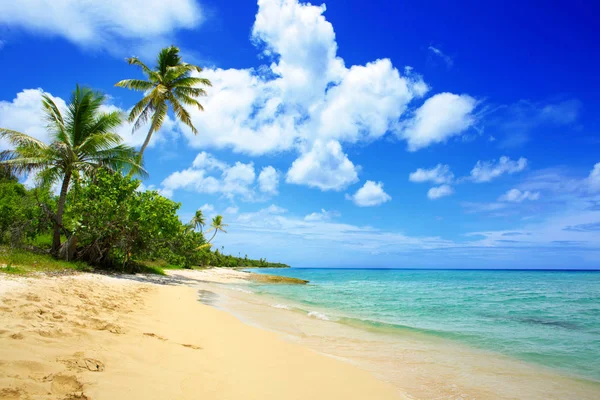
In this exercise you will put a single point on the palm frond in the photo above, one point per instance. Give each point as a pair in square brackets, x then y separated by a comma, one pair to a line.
[18, 139]
[135, 84]
[187, 100]
[54, 118]
[191, 81]
[189, 91]
[167, 57]
[182, 114]
[159, 117]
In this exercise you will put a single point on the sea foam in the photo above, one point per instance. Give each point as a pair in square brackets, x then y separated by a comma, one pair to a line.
[282, 306]
[318, 315]
[243, 290]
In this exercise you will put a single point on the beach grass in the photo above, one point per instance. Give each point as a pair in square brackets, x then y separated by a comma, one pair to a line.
[21, 262]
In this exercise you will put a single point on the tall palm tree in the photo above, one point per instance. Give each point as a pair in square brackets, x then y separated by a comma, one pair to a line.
[198, 221]
[217, 225]
[82, 141]
[170, 82]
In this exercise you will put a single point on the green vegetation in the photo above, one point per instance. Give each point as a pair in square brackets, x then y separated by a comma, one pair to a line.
[100, 218]
[170, 82]
[82, 142]
[22, 262]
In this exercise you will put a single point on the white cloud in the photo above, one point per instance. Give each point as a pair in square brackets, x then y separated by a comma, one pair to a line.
[212, 176]
[306, 96]
[371, 194]
[485, 171]
[231, 210]
[441, 116]
[208, 209]
[517, 196]
[103, 23]
[447, 59]
[594, 178]
[323, 215]
[439, 191]
[268, 180]
[324, 166]
[25, 114]
[439, 174]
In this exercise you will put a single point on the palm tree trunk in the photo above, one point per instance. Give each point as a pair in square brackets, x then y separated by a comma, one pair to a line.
[146, 142]
[141, 152]
[62, 199]
[213, 236]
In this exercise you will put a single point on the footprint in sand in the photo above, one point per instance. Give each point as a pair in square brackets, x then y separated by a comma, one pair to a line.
[79, 361]
[11, 394]
[66, 384]
[154, 335]
[192, 346]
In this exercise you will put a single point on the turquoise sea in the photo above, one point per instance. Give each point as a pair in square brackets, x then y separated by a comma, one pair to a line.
[551, 318]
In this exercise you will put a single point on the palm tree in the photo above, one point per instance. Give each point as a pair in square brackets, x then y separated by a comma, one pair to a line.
[198, 221]
[82, 141]
[170, 82]
[217, 225]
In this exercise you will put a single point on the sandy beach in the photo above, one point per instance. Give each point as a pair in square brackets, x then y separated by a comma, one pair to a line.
[98, 337]
[205, 334]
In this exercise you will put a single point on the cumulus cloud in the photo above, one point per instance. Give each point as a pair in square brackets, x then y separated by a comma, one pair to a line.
[439, 191]
[439, 174]
[103, 23]
[268, 180]
[371, 194]
[212, 176]
[485, 171]
[24, 114]
[441, 117]
[517, 196]
[306, 96]
[324, 166]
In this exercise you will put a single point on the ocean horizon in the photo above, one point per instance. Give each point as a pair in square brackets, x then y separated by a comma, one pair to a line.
[549, 318]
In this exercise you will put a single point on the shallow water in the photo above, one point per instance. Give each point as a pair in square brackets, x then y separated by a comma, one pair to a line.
[547, 318]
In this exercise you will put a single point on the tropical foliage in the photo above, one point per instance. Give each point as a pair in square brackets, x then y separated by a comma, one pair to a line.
[169, 83]
[82, 141]
[98, 215]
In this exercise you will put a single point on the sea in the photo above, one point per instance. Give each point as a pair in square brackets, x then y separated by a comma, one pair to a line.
[548, 318]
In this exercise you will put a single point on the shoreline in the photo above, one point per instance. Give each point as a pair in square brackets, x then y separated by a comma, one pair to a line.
[410, 365]
[421, 364]
[99, 337]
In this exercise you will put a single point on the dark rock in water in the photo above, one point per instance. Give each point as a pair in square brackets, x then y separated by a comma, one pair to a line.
[262, 278]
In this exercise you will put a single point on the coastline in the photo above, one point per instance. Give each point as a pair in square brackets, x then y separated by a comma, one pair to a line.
[252, 343]
[421, 365]
[99, 337]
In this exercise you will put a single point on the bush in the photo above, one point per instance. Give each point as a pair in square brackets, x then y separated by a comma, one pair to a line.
[20, 216]
[116, 225]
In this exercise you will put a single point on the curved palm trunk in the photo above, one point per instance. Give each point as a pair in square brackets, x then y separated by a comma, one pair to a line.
[141, 152]
[62, 199]
[145, 144]
[213, 236]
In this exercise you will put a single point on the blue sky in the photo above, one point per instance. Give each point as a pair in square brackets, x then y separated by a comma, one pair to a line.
[347, 134]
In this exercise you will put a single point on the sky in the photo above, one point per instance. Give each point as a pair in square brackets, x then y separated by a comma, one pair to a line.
[395, 134]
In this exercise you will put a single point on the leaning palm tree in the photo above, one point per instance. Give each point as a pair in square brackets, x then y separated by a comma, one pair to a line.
[170, 82]
[217, 225]
[82, 141]
[198, 221]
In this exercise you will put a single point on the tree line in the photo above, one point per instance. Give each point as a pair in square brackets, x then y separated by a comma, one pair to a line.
[99, 214]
